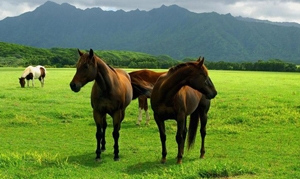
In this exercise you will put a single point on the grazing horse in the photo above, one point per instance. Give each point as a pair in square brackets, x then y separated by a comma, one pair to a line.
[185, 89]
[31, 73]
[111, 94]
[149, 77]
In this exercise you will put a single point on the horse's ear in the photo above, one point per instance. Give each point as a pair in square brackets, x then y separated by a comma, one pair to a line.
[80, 53]
[91, 53]
[200, 61]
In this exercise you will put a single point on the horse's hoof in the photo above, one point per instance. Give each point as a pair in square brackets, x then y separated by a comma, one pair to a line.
[102, 150]
[117, 159]
[98, 160]
[163, 161]
[179, 161]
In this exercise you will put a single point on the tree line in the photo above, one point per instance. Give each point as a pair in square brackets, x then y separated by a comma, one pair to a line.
[260, 65]
[12, 55]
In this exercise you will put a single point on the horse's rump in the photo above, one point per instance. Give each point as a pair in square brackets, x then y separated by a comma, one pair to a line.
[43, 72]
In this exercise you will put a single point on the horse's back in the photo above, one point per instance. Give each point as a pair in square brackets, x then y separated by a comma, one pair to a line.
[146, 75]
[125, 85]
[38, 71]
[122, 73]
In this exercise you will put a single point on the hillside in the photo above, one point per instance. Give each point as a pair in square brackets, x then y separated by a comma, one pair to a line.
[169, 30]
[20, 55]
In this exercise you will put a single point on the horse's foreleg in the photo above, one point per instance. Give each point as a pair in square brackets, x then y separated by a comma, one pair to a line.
[203, 121]
[180, 138]
[99, 120]
[27, 83]
[117, 119]
[103, 141]
[32, 82]
[162, 133]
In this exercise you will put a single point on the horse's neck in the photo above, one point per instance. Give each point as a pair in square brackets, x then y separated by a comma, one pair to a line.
[26, 72]
[104, 76]
[173, 84]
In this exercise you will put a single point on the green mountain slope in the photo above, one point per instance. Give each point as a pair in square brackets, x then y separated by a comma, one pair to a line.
[171, 30]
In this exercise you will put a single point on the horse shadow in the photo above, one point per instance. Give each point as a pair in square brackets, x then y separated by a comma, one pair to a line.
[88, 159]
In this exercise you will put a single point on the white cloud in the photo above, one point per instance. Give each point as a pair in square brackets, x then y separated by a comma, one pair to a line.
[10, 9]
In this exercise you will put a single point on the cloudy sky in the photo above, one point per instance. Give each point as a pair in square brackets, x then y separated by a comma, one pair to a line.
[273, 10]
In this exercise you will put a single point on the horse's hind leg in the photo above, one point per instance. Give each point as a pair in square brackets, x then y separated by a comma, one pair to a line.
[147, 117]
[180, 138]
[146, 111]
[138, 122]
[42, 82]
[162, 133]
[117, 119]
[141, 101]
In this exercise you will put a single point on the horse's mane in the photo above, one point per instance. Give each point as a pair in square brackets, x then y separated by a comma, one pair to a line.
[26, 71]
[175, 68]
[110, 67]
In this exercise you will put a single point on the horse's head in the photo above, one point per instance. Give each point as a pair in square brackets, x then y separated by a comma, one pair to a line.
[86, 70]
[200, 80]
[22, 82]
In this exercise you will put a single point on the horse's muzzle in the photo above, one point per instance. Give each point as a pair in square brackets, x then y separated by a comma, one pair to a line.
[211, 95]
[74, 87]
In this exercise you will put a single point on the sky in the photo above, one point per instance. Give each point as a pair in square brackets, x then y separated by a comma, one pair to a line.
[272, 10]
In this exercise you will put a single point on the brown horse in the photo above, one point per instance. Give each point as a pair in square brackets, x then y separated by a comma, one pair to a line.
[185, 90]
[149, 77]
[31, 73]
[111, 94]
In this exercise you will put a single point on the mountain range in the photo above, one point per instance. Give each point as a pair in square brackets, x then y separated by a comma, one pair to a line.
[167, 30]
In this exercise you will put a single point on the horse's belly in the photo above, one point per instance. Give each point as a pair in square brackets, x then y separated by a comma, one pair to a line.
[165, 112]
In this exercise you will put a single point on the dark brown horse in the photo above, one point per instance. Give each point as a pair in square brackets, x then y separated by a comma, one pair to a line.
[149, 77]
[111, 94]
[185, 90]
[31, 73]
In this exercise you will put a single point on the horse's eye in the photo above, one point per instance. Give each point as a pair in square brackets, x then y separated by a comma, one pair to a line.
[86, 66]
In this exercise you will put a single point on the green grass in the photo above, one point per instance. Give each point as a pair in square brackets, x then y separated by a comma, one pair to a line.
[253, 131]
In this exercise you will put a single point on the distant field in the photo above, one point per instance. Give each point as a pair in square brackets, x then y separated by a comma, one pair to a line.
[252, 132]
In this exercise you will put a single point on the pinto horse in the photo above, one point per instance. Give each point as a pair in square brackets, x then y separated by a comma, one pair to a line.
[185, 89]
[111, 94]
[31, 73]
[149, 77]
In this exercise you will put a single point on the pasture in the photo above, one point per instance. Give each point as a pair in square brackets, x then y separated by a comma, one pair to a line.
[253, 131]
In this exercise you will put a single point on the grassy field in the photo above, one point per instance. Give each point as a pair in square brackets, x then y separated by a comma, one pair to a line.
[252, 132]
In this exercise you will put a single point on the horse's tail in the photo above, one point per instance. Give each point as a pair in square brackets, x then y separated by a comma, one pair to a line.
[194, 122]
[141, 88]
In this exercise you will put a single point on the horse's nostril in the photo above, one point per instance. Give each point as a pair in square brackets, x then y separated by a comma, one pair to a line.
[72, 86]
